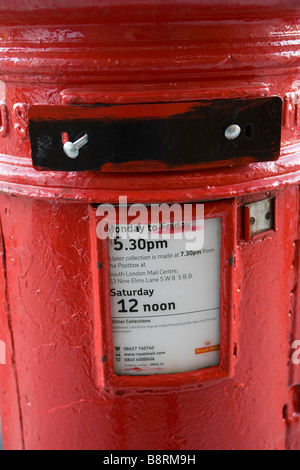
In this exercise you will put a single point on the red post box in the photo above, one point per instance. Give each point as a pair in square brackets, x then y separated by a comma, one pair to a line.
[138, 344]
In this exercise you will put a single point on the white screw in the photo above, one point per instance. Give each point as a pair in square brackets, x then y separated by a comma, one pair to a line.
[232, 132]
[71, 149]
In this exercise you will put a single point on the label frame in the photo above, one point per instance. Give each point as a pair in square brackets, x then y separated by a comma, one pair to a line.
[104, 352]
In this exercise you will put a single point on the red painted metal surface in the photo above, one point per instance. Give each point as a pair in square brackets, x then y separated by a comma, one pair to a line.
[58, 390]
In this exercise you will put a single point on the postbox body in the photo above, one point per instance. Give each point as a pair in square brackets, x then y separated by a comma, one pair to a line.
[167, 64]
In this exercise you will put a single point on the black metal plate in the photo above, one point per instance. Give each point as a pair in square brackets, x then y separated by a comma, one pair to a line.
[175, 134]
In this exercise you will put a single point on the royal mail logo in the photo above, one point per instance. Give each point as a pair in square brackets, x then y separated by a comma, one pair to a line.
[207, 349]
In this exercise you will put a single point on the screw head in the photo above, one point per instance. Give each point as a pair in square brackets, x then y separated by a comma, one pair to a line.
[232, 132]
[268, 215]
[71, 150]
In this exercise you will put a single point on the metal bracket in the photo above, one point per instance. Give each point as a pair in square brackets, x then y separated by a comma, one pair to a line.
[259, 217]
[158, 135]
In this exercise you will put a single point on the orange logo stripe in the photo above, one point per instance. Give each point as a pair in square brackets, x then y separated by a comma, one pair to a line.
[207, 349]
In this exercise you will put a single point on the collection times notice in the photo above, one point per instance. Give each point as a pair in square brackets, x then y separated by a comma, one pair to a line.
[165, 303]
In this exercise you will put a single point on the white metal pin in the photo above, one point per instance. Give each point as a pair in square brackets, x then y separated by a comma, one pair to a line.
[71, 149]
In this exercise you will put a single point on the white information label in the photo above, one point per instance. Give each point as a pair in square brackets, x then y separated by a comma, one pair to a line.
[165, 304]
